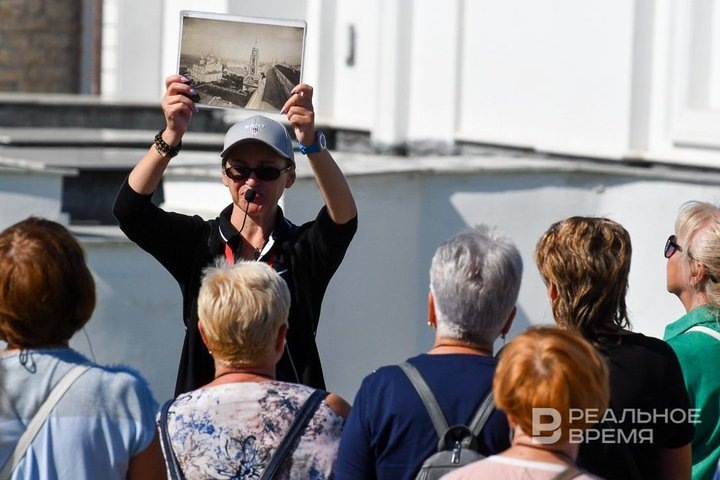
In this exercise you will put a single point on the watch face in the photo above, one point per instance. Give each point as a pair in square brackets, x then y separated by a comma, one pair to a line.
[322, 141]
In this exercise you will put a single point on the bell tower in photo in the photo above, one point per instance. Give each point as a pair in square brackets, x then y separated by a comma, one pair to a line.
[253, 64]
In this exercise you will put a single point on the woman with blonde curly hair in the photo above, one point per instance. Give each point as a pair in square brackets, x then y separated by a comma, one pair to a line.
[585, 263]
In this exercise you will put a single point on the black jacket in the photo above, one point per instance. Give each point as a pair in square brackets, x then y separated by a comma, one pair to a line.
[306, 256]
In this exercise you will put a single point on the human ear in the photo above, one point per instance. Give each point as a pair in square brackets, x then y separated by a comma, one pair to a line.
[432, 318]
[291, 179]
[509, 322]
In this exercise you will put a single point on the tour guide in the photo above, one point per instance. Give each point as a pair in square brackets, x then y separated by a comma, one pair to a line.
[257, 166]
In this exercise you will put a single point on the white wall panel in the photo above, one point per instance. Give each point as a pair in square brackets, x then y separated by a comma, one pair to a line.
[138, 316]
[32, 194]
[138, 50]
[434, 94]
[555, 75]
[356, 64]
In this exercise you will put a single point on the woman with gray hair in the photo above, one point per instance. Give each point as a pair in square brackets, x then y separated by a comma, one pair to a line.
[474, 284]
[693, 270]
[231, 427]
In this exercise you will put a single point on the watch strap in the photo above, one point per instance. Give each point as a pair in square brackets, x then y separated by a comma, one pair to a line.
[318, 145]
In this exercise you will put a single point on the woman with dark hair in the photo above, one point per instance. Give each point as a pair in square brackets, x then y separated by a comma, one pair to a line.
[585, 263]
[102, 424]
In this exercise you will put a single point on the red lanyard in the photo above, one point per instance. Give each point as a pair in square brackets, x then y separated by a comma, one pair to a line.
[230, 256]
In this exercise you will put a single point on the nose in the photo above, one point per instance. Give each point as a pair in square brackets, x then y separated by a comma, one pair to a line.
[252, 180]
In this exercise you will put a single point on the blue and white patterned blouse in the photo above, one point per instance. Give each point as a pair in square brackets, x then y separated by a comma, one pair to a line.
[230, 431]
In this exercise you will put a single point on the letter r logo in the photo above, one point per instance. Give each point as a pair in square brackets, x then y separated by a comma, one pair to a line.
[540, 428]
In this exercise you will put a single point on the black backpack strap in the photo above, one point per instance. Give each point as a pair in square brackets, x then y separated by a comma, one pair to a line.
[301, 420]
[176, 472]
[427, 397]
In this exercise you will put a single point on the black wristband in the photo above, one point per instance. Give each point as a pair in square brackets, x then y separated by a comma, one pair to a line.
[165, 150]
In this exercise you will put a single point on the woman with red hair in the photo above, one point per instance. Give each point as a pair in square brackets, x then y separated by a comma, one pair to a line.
[538, 378]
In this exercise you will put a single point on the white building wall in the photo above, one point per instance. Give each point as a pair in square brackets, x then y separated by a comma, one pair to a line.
[356, 86]
[434, 98]
[138, 317]
[26, 192]
[554, 80]
[610, 79]
[131, 62]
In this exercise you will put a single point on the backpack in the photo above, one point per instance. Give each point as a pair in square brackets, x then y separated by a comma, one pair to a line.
[458, 443]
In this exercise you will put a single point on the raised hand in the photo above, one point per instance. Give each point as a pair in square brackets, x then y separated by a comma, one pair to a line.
[177, 107]
[300, 113]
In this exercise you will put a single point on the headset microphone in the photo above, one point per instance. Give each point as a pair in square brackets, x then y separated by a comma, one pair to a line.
[249, 197]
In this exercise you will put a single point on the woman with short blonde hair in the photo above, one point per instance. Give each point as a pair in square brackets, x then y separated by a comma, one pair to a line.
[241, 312]
[231, 427]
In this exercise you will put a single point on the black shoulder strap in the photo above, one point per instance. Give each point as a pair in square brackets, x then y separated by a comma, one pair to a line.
[176, 472]
[296, 427]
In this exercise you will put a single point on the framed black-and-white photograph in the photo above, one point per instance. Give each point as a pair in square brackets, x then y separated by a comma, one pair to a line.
[241, 62]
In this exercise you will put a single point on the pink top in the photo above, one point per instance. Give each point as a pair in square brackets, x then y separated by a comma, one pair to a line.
[500, 467]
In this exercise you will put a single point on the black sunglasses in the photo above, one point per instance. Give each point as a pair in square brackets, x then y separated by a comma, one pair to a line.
[671, 246]
[263, 172]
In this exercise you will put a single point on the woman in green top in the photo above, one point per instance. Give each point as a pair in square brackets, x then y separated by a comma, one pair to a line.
[693, 275]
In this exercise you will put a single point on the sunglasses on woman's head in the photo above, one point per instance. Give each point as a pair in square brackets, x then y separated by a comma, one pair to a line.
[263, 172]
[671, 246]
